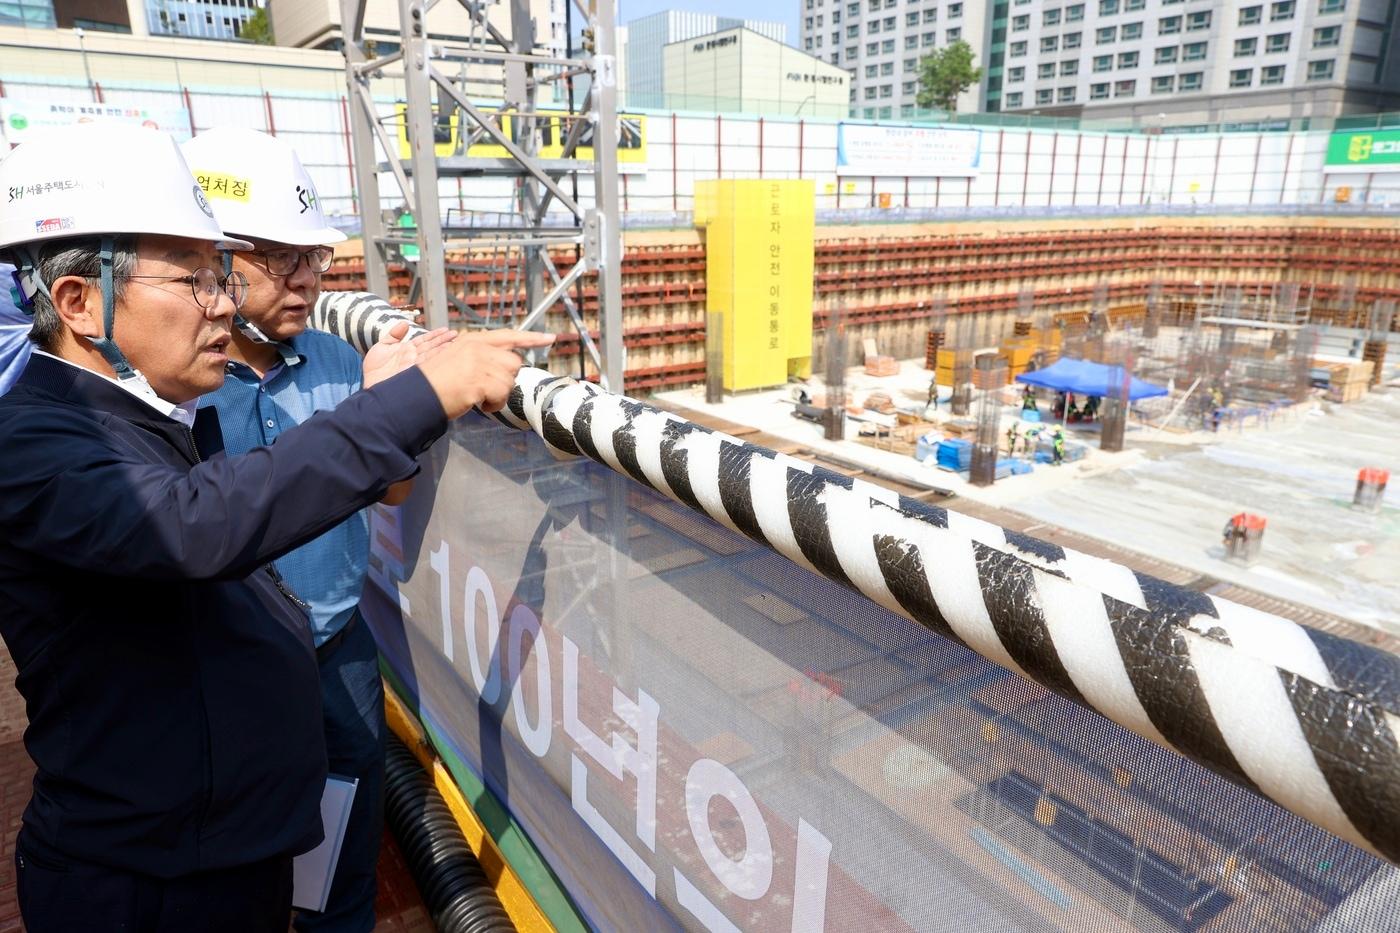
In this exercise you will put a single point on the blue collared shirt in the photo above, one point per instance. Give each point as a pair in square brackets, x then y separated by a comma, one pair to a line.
[318, 373]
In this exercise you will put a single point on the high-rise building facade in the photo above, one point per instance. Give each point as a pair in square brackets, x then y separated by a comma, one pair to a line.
[880, 43]
[199, 19]
[1193, 61]
[31, 14]
[1168, 62]
[647, 36]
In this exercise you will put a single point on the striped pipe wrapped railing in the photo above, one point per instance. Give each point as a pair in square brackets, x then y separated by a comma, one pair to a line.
[1307, 719]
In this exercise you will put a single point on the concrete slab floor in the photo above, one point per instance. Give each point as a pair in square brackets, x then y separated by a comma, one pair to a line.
[1168, 495]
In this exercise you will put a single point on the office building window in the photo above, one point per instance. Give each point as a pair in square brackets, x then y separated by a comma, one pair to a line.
[886, 113]
[887, 46]
[1168, 25]
[887, 90]
[870, 93]
[930, 38]
[908, 87]
[807, 24]
[1273, 74]
[911, 65]
[869, 113]
[1020, 23]
[1132, 6]
[1326, 37]
[1103, 62]
[873, 26]
[850, 52]
[955, 11]
[953, 35]
[872, 48]
[1165, 55]
[1017, 49]
[1250, 15]
[1242, 77]
[1044, 96]
[1108, 7]
[1131, 31]
[1049, 43]
[931, 16]
[1013, 100]
[1050, 17]
[1246, 47]
[1106, 35]
[1190, 82]
[1331, 6]
[887, 69]
[1321, 71]
[1071, 40]
[1098, 91]
[1127, 59]
[807, 43]
[1070, 67]
[1124, 88]
[1194, 51]
[1198, 20]
[853, 9]
[889, 24]
[1045, 70]
[819, 41]
[911, 19]
[1278, 42]
[1074, 14]
[1163, 84]
[911, 42]
[1065, 95]
[872, 71]
[1283, 9]
[1015, 75]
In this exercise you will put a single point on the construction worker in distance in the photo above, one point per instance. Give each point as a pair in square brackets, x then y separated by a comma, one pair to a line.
[167, 668]
[280, 374]
[1058, 440]
[1013, 434]
[1028, 400]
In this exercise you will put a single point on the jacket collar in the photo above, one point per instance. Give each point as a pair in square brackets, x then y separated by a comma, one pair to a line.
[84, 389]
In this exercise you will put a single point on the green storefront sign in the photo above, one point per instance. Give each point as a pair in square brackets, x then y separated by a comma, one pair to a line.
[1364, 151]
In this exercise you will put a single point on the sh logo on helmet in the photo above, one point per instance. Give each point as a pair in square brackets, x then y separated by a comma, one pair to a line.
[306, 197]
[203, 202]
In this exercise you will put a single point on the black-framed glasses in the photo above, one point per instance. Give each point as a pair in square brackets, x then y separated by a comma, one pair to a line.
[206, 284]
[283, 261]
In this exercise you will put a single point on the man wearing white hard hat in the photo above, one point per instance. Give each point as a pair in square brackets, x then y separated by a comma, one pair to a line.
[279, 375]
[167, 669]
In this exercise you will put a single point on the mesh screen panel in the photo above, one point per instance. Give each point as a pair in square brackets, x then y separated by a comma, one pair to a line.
[699, 734]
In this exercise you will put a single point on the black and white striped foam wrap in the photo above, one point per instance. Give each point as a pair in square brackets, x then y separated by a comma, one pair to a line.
[1307, 719]
[360, 318]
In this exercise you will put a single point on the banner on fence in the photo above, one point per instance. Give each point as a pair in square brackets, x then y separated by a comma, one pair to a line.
[909, 151]
[21, 118]
[1364, 151]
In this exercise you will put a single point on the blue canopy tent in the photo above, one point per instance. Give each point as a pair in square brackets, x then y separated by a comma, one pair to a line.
[1085, 378]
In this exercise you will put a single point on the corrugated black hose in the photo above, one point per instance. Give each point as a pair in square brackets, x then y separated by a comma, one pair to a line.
[459, 896]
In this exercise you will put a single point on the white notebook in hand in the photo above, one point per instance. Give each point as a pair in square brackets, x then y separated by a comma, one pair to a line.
[313, 872]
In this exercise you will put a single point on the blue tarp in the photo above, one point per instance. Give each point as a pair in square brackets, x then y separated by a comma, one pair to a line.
[1085, 378]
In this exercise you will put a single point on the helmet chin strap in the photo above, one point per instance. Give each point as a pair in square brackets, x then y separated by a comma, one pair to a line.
[105, 344]
[245, 326]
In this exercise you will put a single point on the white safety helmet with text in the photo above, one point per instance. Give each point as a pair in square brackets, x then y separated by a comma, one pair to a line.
[99, 180]
[258, 187]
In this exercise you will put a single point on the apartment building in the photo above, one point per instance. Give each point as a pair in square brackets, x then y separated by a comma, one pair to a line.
[880, 42]
[1174, 62]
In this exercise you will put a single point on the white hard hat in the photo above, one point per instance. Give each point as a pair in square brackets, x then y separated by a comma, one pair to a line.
[102, 178]
[258, 187]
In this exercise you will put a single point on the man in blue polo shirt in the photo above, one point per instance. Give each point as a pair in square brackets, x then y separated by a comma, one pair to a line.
[279, 374]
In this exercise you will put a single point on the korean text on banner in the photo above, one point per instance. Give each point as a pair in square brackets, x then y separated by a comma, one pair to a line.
[910, 151]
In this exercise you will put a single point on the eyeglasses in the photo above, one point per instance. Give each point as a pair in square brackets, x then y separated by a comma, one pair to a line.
[284, 261]
[206, 284]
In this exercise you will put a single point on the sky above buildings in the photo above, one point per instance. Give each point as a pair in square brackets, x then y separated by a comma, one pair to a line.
[783, 11]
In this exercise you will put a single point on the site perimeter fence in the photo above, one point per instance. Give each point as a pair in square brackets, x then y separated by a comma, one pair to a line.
[1018, 169]
[702, 733]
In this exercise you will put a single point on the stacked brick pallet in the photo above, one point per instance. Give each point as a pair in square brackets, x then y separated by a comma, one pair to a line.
[885, 280]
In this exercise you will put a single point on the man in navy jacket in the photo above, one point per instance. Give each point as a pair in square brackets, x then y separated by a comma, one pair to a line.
[168, 672]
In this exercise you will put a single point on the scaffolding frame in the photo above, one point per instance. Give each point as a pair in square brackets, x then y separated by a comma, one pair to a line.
[433, 95]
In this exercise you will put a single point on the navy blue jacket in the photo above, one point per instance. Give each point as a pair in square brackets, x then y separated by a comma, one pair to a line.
[172, 692]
